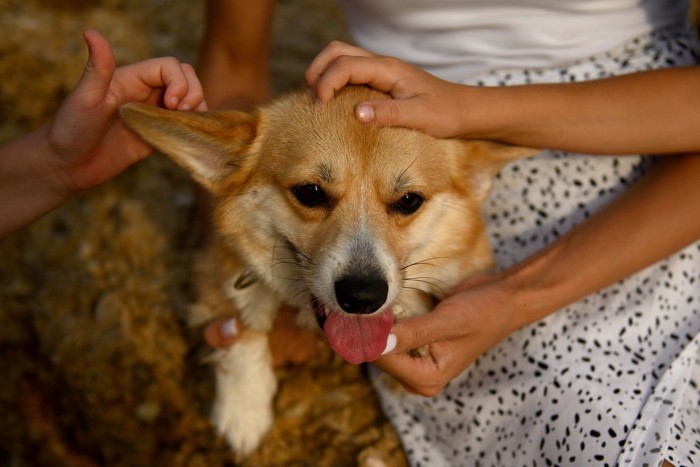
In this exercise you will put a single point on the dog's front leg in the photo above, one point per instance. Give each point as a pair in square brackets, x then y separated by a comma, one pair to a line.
[245, 387]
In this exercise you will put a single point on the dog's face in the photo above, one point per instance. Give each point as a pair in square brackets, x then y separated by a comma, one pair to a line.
[351, 222]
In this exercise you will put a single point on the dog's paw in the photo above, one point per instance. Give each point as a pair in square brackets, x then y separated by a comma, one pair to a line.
[245, 386]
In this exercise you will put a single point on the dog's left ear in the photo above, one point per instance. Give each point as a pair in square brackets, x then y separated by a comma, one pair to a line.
[482, 160]
[208, 145]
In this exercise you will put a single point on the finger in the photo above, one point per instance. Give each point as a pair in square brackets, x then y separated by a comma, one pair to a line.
[194, 99]
[183, 90]
[427, 329]
[420, 375]
[380, 73]
[98, 72]
[327, 56]
[140, 80]
[386, 113]
[202, 107]
[221, 333]
[168, 73]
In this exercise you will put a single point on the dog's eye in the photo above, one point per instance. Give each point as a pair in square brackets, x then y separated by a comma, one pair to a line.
[310, 195]
[408, 204]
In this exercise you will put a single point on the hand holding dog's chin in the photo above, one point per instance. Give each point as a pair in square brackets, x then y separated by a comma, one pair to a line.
[459, 330]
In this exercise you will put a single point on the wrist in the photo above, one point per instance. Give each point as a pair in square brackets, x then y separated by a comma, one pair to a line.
[29, 186]
[45, 169]
[479, 111]
[498, 113]
[535, 288]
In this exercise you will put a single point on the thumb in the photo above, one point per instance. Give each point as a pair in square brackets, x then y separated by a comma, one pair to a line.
[389, 112]
[412, 333]
[98, 72]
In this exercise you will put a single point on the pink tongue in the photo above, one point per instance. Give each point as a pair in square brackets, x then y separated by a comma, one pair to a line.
[358, 338]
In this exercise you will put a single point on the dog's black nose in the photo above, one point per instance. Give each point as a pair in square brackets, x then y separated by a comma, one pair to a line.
[361, 295]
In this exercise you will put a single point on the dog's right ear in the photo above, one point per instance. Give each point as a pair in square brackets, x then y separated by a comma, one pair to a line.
[208, 145]
[482, 160]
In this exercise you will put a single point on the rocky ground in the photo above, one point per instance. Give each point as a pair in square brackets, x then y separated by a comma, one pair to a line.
[98, 364]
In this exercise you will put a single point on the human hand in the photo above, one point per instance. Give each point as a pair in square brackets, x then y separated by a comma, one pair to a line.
[477, 315]
[288, 342]
[420, 100]
[87, 143]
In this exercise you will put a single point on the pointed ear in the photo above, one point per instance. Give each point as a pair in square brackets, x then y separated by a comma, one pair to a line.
[208, 145]
[482, 160]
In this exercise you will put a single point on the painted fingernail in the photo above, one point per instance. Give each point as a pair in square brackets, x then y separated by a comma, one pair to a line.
[390, 344]
[364, 113]
[229, 328]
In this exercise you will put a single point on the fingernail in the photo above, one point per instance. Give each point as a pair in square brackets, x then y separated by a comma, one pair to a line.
[229, 328]
[390, 344]
[364, 113]
[174, 101]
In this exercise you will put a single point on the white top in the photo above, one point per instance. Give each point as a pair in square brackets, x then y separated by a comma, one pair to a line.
[459, 40]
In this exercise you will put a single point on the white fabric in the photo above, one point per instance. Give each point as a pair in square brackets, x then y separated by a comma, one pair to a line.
[460, 39]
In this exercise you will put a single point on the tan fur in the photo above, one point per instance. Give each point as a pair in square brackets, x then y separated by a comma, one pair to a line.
[251, 164]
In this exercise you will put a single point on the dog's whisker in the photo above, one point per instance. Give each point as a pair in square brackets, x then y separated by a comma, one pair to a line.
[464, 210]
[241, 194]
[302, 291]
[425, 278]
[431, 281]
[428, 262]
[288, 254]
[431, 295]
[428, 281]
[402, 178]
[290, 279]
[284, 261]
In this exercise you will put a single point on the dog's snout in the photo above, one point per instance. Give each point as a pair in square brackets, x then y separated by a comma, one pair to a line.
[361, 295]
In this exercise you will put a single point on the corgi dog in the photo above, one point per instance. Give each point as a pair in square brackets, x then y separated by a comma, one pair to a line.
[355, 225]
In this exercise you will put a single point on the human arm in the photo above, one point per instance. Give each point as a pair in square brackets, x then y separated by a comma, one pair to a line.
[619, 115]
[86, 143]
[234, 58]
[654, 218]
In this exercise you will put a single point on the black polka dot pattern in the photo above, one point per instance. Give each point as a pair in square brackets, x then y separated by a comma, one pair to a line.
[610, 380]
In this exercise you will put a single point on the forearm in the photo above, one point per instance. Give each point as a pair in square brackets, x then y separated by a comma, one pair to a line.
[643, 113]
[233, 64]
[655, 218]
[28, 188]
